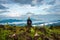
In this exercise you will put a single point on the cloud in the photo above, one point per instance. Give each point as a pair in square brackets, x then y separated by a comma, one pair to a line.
[54, 10]
[21, 7]
[40, 10]
[2, 7]
[31, 2]
[36, 2]
[3, 12]
[6, 1]
[50, 2]
[23, 1]
[57, 2]
[18, 10]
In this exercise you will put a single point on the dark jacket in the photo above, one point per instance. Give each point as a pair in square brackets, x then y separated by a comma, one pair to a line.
[29, 22]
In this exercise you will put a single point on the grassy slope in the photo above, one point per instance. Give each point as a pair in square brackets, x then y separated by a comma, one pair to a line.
[25, 32]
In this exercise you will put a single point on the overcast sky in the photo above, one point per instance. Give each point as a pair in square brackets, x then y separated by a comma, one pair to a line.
[16, 8]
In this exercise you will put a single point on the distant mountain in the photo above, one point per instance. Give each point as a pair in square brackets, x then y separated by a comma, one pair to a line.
[49, 19]
[54, 24]
[56, 20]
[57, 24]
[23, 22]
[10, 20]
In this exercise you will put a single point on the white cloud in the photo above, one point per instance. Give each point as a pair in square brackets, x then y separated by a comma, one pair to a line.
[16, 10]
[34, 2]
[57, 2]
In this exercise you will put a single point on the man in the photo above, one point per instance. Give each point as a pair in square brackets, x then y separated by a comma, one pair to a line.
[29, 25]
[29, 22]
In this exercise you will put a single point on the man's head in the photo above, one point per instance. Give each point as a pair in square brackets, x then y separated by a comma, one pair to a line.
[28, 17]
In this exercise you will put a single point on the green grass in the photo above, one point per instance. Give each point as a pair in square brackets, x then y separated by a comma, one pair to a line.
[22, 32]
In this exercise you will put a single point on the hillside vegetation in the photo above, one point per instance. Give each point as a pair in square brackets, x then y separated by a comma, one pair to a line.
[8, 32]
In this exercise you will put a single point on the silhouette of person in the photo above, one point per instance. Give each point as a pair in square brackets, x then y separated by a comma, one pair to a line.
[29, 22]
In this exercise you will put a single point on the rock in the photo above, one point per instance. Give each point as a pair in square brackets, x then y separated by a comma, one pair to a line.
[36, 36]
[15, 36]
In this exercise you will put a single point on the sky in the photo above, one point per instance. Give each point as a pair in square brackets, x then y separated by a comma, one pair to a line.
[18, 8]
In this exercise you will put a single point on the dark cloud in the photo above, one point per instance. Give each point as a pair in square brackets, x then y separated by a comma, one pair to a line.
[23, 1]
[3, 7]
[52, 2]
[3, 11]
[38, 2]
[6, 1]
[54, 9]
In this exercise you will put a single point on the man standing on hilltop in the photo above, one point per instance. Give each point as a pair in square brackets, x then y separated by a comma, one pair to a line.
[29, 22]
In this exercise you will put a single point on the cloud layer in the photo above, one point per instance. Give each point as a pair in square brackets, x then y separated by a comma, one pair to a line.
[17, 8]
